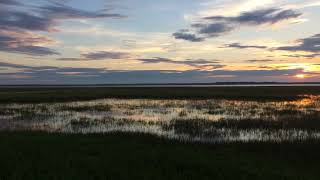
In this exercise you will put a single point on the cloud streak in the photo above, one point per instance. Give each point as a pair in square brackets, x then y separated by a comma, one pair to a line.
[258, 17]
[309, 56]
[61, 11]
[22, 22]
[24, 42]
[106, 55]
[214, 26]
[100, 55]
[63, 75]
[198, 63]
[186, 35]
[9, 2]
[309, 44]
[259, 60]
[241, 46]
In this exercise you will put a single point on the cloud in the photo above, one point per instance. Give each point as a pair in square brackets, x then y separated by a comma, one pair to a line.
[310, 44]
[310, 56]
[214, 29]
[100, 55]
[61, 11]
[71, 59]
[259, 60]
[185, 35]
[241, 46]
[24, 42]
[214, 26]
[106, 55]
[197, 63]
[9, 2]
[51, 71]
[25, 20]
[167, 60]
[11, 65]
[46, 18]
[63, 75]
[258, 17]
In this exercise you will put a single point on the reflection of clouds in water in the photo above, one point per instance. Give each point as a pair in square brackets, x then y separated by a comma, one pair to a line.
[159, 117]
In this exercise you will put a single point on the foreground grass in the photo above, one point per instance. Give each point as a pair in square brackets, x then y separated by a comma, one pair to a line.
[36, 95]
[39, 156]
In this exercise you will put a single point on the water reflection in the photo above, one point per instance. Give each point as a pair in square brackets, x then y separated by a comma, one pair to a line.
[188, 120]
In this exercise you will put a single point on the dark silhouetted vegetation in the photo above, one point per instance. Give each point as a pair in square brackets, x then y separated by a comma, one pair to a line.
[38, 156]
[63, 94]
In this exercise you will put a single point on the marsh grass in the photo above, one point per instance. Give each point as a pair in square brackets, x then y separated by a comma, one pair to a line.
[40, 155]
[257, 129]
[194, 119]
[82, 108]
[176, 133]
[49, 95]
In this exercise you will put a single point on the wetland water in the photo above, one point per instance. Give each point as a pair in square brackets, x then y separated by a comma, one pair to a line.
[209, 120]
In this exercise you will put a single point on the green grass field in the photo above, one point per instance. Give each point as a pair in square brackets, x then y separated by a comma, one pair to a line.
[35, 95]
[38, 156]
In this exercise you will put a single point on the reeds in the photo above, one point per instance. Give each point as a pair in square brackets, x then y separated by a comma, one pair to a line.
[195, 120]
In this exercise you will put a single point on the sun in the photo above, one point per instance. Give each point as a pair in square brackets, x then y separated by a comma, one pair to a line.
[300, 76]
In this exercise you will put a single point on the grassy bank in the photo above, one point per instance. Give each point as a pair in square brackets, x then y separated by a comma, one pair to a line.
[40, 156]
[35, 95]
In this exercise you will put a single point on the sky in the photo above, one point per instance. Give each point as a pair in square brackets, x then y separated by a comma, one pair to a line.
[167, 41]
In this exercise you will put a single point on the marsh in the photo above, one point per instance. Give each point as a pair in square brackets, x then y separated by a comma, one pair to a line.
[160, 133]
[186, 119]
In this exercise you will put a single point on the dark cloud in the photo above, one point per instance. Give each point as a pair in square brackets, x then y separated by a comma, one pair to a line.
[31, 50]
[50, 70]
[11, 65]
[71, 59]
[61, 11]
[213, 30]
[23, 42]
[56, 75]
[157, 60]
[9, 2]
[240, 46]
[100, 55]
[309, 56]
[185, 35]
[106, 55]
[24, 20]
[167, 60]
[259, 60]
[214, 26]
[45, 18]
[197, 63]
[310, 44]
[258, 17]
[17, 23]
[200, 61]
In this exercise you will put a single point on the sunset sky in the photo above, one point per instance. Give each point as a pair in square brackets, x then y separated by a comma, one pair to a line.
[167, 41]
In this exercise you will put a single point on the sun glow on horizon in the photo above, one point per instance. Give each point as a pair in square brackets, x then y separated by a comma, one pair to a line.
[300, 76]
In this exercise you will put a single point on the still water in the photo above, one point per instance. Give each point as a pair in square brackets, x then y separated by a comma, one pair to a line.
[209, 120]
